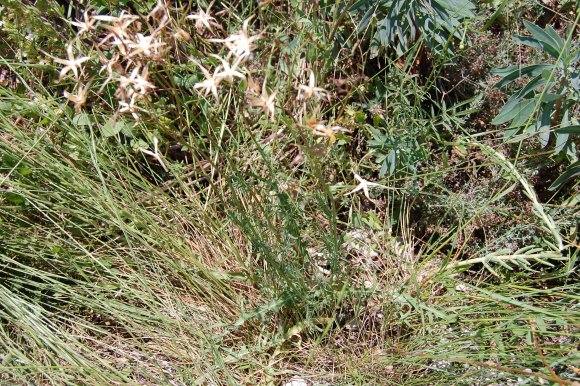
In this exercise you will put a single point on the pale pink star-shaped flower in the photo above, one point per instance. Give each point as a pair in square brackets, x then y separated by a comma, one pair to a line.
[211, 82]
[71, 64]
[80, 98]
[364, 185]
[155, 154]
[228, 72]
[136, 82]
[84, 26]
[203, 20]
[130, 107]
[265, 102]
[118, 30]
[145, 45]
[310, 90]
[328, 131]
[240, 44]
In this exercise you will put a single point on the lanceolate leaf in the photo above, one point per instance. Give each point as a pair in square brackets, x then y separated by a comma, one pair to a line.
[545, 135]
[530, 88]
[523, 115]
[560, 43]
[549, 95]
[570, 173]
[551, 45]
[505, 70]
[561, 142]
[573, 57]
[543, 126]
[512, 73]
[514, 109]
[459, 8]
[574, 130]
[528, 41]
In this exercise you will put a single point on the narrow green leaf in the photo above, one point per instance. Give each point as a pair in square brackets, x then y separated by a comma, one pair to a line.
[528, 41]
[543, 125]
[392, 161]
[512, 73]
[524, 114]
[549, 45]
[545, 136]
[514, 109]
[557, 39]
[570, 173]
[574, 130]
[572, 57]
[530, 88]
[505, 70]
[561, 142]
[551, 97]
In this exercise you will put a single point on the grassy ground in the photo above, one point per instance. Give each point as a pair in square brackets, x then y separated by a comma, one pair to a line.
[331, 211]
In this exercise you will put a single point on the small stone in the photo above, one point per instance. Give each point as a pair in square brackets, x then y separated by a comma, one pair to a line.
[296, 382]
[462, 288]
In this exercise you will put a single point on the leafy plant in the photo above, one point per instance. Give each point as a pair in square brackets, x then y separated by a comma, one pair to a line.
[400, 23]
[398, 139]
[392, 150]
[547, 99]
[22, 26]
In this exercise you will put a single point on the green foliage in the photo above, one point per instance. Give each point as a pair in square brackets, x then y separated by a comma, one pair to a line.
[547, 100]
[115, 6]
[400, 129]
[399, 23]
[153, 232]
[398, 148]
[23, 26]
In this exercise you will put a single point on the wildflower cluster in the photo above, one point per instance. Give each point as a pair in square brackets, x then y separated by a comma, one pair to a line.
[123, 48]
[240, 46]
[124, 51]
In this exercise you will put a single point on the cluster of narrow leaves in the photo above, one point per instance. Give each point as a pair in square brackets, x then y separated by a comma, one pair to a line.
[398, 24]
[544, 105]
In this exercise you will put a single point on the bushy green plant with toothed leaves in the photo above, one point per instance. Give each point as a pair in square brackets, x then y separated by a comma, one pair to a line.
[545, 104]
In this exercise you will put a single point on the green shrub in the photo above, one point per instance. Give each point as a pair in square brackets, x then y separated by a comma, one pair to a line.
[544, 105]
[399, 23]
